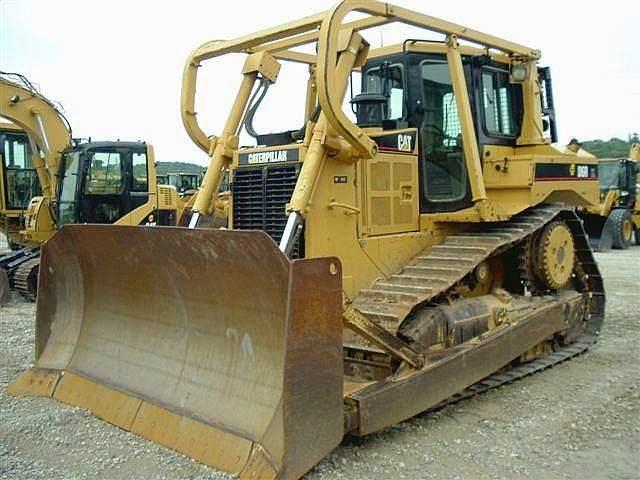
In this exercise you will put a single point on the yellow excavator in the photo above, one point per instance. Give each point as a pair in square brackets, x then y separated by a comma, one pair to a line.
[32, 146]
[79, 182]
[615, 220]
[372, 269]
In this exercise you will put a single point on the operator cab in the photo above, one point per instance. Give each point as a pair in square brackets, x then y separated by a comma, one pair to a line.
[162, 179]
[103, 181]
[19, 176]
[185, 183]
[619, 175]
[413, 89]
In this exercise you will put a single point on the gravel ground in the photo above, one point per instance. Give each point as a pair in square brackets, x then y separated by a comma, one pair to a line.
[578, 420]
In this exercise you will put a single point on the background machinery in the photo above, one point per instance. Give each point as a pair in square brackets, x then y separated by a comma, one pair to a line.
[18, 178]
[371, 269]
[31, 151]
[91, 182]
[186, 183]
[615, 220]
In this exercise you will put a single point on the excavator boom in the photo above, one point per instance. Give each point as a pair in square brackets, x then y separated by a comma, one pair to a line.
[23, 105]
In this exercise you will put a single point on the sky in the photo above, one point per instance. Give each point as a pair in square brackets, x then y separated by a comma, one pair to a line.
[116, 66]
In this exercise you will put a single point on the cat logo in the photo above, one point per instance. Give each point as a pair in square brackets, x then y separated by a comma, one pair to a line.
[404, 143]
[572, 170]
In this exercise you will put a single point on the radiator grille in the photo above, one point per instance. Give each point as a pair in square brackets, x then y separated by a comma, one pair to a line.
[260, 195]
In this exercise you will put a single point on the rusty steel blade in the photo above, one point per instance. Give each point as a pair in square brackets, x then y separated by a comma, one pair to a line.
[211, 342]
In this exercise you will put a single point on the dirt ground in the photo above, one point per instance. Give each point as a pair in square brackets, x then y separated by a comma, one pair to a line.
[578, 420]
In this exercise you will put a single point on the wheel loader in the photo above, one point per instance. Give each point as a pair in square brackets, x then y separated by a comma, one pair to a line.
[372, 269]
[77, 182]
[615, 220]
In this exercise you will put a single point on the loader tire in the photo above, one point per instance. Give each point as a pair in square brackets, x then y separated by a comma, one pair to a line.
[622, 228]
[636, 235]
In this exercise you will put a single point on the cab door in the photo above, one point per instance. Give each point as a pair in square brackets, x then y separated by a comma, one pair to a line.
[19, 177]
[444, 180]
[137, 184]
[103, 189]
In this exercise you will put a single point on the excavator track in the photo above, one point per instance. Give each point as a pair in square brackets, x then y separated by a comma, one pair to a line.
[11, 261]
[25, 278]
[430, 277]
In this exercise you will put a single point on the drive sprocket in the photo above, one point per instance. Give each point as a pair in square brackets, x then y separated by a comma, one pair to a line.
[556, 255]
[547, 259]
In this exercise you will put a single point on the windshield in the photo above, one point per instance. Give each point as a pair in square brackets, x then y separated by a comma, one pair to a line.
[609, 173]
[184, 181]
[105, 174]
[190, 182]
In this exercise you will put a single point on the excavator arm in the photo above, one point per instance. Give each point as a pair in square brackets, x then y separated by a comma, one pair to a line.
[23, 105]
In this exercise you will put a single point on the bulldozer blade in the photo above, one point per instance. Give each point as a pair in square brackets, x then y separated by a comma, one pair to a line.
[210, 342]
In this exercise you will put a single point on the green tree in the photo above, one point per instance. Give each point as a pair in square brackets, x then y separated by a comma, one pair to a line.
[614, 148]
[163, 168]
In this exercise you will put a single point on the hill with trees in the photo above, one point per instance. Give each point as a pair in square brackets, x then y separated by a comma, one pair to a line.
[162, 168]
[613, 148]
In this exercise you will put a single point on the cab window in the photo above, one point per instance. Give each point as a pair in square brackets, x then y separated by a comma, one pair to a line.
[140, 173]
[444, 168]
[499, 100]
[105, 175]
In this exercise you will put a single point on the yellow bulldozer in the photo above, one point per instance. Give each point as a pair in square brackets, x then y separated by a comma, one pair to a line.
[48, 180]
[372, 269]
[615, 220]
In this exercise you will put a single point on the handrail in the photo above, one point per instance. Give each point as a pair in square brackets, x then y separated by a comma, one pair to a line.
[323, 27]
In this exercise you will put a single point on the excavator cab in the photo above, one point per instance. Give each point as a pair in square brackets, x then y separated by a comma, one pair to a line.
[18, 180]
[19, 177]
[102, 182]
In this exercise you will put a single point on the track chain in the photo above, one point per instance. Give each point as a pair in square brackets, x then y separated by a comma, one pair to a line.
[592, 285]
[25, 278]
[430, 275]
[378, 303]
